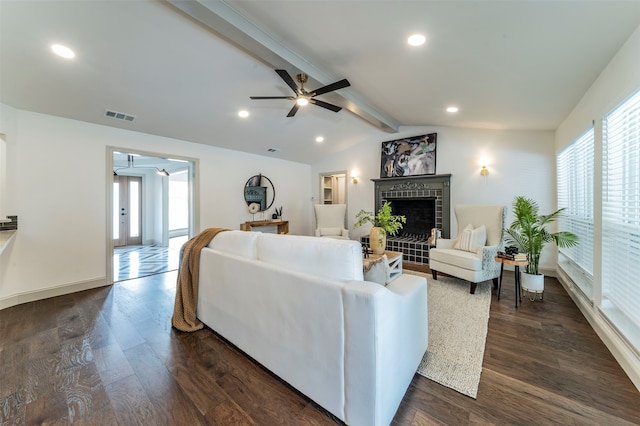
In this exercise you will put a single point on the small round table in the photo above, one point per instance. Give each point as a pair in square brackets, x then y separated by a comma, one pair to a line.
[517, 264]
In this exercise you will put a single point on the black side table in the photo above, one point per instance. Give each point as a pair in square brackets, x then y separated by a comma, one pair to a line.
[517, 264]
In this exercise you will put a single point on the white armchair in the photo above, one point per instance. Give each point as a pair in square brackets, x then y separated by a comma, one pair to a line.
[330, 221]
[471, 255]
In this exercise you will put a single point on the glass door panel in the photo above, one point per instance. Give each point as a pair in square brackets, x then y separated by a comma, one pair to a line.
[127, 210]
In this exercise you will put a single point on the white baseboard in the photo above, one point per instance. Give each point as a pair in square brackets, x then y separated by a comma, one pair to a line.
[31, 296]
[617, 345]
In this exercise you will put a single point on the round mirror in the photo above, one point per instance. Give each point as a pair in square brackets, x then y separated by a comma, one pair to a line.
[259, 189]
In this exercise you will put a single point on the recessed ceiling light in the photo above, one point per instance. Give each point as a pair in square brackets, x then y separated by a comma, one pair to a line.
[319, 139]
[63, 51]
[416, 40]
[243, 113]
[452, 109]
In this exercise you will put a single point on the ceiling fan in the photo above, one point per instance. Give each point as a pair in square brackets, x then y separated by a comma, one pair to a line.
[304, 97]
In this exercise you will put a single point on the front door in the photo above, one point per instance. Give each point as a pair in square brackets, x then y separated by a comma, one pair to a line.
[127, 210]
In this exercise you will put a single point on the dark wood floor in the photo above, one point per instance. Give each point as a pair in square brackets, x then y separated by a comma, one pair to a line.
[109, 356]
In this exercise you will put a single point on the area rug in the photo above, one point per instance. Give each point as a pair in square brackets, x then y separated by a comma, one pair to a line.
[458, 323]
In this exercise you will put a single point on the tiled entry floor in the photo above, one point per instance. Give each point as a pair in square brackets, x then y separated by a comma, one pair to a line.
[140, 261]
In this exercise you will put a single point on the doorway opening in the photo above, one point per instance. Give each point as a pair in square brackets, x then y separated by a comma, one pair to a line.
[151, 213]
[333, 188]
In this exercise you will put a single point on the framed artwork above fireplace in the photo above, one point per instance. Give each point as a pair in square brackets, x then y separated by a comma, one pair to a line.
[411, 156]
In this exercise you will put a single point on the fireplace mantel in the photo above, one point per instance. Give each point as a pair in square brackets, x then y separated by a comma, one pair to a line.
[436, 186]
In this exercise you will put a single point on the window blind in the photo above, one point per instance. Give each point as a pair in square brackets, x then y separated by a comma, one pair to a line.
[575, 166]
[621, 208]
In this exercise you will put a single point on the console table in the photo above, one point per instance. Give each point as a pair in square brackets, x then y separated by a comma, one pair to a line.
[283, 225]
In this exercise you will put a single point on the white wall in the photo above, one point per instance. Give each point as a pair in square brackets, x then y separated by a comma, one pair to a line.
[619, 80]
[7, 128]
[519, 163]
[57, 185]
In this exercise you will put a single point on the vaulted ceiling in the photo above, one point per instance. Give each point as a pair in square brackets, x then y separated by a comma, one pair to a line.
[185, 68]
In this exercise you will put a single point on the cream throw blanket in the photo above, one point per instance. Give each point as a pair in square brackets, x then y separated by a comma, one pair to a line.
[184, 310]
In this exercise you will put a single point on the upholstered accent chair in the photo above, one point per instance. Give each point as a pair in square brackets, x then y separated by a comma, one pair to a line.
[330, 219]
[471, 255]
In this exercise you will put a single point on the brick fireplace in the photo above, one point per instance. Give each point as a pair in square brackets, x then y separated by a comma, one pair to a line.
[425, 201]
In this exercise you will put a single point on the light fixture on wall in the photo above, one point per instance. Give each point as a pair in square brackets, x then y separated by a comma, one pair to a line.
[354, 176]
[484, 171]
[130, 165]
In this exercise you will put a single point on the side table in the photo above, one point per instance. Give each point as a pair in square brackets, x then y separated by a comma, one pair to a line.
[517, 264]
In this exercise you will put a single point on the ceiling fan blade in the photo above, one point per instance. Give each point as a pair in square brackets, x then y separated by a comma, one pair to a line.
[271, 97]
[293, 110]
[326, 105]
[331, 87]
[287, 79]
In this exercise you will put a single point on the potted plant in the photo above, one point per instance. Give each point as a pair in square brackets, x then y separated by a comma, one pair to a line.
[384, 222]
[529, 234]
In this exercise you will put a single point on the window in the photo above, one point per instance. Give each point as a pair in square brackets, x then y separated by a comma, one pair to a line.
[621, 217]
[575, 166]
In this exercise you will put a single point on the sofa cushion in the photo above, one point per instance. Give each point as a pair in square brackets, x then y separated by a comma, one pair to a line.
[472, 239]
[330, 231]
[323, 257]
[240, 243]
[460, 258]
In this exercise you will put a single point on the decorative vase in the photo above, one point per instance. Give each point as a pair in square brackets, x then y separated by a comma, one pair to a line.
[377, 240]
[532, 285]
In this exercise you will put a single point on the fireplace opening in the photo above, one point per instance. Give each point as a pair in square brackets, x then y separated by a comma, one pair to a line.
[420, 213]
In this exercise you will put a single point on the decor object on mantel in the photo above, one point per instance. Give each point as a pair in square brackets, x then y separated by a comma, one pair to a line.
[382, 223]
[410, 156]
[529, 234]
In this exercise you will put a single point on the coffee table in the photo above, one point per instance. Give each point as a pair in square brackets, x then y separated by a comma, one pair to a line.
[394, 263]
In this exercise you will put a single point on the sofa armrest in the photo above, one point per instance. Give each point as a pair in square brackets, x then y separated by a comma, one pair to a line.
[445, 243]
[386, 336]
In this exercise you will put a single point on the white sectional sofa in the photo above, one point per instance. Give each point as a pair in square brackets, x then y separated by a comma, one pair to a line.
[299, 306]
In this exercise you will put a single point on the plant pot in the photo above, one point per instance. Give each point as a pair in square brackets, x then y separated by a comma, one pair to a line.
[532, 285]
[377, 240]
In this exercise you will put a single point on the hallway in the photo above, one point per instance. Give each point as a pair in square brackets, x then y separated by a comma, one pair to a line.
[131, 262]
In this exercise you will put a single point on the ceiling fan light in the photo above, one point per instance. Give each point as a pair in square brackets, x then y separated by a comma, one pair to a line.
[302, 101]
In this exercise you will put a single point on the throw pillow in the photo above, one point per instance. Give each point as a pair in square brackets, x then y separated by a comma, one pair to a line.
[378, 271]
[471, 239]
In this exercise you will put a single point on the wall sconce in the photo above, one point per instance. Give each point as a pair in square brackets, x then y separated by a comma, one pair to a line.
[354, 176]
[484, 171]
